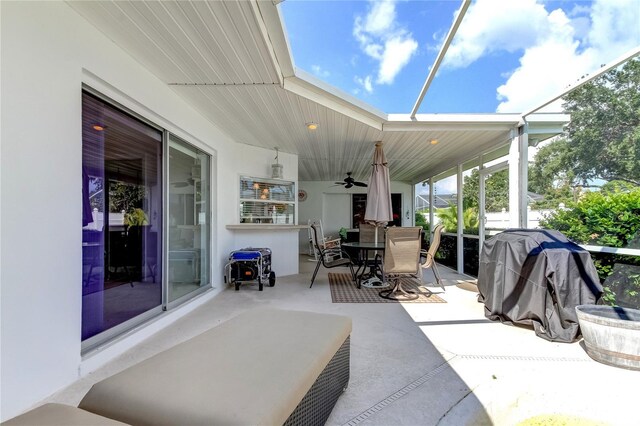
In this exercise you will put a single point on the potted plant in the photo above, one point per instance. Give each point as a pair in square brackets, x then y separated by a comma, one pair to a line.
[343, 234]
[137, 217]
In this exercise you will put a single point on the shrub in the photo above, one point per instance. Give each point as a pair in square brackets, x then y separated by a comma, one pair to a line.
[607, 219]
[422, 221]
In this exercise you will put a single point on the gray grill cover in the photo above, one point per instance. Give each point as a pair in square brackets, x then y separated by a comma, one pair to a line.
[537, 277]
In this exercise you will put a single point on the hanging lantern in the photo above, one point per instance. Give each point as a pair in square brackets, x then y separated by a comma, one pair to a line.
[276, 169]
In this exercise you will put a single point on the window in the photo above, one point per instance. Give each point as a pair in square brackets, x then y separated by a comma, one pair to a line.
[267, 200]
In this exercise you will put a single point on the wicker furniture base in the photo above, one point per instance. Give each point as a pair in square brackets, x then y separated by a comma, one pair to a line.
[316, 406]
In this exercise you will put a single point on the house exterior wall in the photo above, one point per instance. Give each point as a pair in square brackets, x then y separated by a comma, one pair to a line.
[320, 204]
[48, 52]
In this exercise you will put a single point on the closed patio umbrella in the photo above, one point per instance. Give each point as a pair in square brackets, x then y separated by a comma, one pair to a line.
[378, 211]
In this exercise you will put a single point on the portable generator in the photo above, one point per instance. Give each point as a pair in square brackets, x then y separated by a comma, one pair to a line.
[248, 265]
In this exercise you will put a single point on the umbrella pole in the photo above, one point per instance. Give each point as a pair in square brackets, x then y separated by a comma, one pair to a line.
[375, 253]
[374, 278]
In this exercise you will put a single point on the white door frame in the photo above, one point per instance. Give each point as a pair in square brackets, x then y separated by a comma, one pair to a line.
[482, 214]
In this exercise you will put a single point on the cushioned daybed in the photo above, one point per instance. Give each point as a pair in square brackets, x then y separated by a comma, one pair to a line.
[263, 367]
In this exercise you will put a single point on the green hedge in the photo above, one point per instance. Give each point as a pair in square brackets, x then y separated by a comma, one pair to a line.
[606, 219]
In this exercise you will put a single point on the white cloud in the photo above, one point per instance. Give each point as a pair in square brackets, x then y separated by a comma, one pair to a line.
[381, 18]
[616, 25]
[555, 49]
[319, 71]
[396, 55]
[383, 39]
[495, 25]
[564, 56]
[365, 83]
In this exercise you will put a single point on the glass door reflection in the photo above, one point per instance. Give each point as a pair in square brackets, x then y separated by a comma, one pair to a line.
[188, 222]
[122, 218]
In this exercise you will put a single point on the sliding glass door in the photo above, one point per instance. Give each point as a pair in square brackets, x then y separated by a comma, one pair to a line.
[189, 213]
[122, 217]
[146, 213]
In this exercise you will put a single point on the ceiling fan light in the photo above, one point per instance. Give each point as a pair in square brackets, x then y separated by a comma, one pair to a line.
[433, 141]
[311, 125]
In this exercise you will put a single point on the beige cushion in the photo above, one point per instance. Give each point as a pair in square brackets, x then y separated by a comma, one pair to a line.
[251, 370]
[59, 415]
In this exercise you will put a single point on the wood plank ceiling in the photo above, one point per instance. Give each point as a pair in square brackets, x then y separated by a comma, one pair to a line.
[219, 58]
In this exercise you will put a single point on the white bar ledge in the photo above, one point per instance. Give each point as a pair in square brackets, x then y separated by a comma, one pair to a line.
[265, 227]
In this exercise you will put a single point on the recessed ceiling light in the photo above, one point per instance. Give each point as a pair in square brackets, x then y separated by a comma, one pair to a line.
[311, 125]
[434, 141]
[98, 127]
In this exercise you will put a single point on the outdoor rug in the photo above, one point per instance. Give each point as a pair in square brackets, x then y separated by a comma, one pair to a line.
[343, 290]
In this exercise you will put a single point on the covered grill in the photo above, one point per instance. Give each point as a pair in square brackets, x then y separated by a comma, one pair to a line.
[537, 277]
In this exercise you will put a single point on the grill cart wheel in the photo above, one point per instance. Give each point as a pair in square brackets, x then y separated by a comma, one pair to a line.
[237, 285]
[272, 279]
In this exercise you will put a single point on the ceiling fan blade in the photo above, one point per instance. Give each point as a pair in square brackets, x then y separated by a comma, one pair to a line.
[348, 185]
[360, 184]
[339, 183]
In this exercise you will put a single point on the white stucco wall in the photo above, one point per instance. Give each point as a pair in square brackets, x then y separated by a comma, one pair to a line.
[48, 52]
[326, 201]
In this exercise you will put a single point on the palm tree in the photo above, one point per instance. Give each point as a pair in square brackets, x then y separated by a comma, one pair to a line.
[449, 218]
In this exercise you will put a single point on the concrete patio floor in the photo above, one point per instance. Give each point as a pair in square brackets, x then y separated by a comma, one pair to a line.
[424, 363]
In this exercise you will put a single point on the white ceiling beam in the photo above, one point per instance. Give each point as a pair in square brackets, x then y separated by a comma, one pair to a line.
[271, 25]
[331, 98]
[440, 57]
[451, 122]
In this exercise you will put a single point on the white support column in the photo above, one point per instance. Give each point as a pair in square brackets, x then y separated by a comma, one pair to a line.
[412, 217]
[514, 180]
[431, 214]
[523, 175]
[482, 214]
[460, 254]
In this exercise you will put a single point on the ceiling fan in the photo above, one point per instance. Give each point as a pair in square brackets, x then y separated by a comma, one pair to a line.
[183, 184]
[194, 176]
[349, 182]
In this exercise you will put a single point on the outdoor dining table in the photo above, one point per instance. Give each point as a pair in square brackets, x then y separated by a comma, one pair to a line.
[365, 248]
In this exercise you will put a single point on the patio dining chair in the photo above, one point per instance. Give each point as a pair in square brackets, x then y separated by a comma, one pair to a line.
[367, 234]
[401, 259]
[325, 242]
[430, 254]
[329, 257]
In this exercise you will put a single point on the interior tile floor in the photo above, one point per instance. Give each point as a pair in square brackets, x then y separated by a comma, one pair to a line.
[424, 364]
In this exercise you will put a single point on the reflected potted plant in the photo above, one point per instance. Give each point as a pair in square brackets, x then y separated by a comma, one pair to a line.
[137, 217]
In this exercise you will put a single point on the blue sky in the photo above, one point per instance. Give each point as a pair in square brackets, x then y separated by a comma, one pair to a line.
[508, 55]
